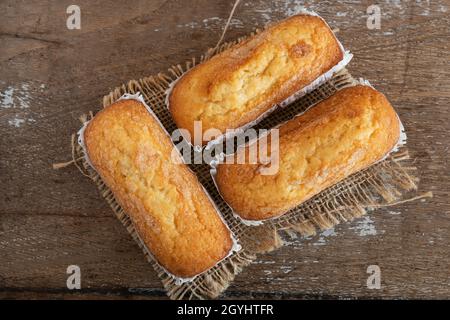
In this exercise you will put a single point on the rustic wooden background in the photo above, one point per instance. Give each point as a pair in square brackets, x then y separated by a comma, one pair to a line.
[51, 219]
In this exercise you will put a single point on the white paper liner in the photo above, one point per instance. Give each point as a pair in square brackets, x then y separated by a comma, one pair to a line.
[178, 280]
[220, 158]
[347, 57]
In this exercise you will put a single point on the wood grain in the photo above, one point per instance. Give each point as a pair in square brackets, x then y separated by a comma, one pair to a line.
[51, 219]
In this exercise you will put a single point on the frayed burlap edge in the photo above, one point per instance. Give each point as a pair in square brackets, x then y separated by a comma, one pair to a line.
[380, 185]
[377, 186]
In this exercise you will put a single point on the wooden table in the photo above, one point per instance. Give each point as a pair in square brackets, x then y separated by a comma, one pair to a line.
[52, 219]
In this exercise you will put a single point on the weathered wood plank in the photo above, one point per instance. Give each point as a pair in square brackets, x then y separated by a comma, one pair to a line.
[51, 219]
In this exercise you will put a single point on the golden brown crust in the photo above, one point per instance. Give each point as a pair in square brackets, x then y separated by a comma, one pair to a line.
[170, 210]
[349, 131]
[238, 85]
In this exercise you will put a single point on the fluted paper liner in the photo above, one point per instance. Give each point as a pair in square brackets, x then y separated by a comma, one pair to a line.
[346, 58]
[221, 158]
[178, 280]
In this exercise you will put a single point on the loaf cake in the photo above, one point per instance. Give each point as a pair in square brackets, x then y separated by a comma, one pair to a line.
[170, 210]
[241, 84]
[341, 135]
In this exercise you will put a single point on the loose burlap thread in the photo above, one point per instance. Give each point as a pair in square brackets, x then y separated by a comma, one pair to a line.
[382, 184]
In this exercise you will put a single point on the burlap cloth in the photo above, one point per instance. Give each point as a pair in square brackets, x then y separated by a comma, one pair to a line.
[382, 184]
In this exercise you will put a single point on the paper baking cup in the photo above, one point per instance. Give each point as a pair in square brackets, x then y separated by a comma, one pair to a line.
[347, 57]
[236, 247]
[222, 156]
